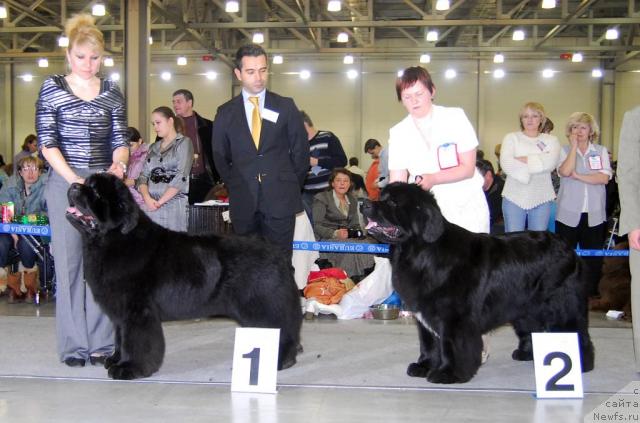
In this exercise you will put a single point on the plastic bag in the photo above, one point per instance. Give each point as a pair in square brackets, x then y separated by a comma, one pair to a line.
[371, 290]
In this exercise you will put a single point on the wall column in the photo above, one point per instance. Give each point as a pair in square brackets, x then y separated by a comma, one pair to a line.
[137, 17]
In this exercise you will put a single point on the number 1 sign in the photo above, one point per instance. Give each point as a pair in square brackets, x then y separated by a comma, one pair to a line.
[556, 359]
[255, 360]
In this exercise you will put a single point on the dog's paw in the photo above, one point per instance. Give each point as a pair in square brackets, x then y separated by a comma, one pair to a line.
[418, 369]
[443, 376]
[111, 360]
[285, 364]
[520, 355]
[125, 371]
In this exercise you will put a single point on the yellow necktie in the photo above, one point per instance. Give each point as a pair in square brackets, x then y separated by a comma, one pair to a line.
[256, 121]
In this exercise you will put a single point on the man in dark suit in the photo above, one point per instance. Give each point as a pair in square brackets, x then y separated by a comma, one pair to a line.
[261, 153]
[203, 171]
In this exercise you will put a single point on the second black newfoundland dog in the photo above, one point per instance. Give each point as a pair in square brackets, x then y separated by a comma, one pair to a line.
[142, 274]
[462, 284]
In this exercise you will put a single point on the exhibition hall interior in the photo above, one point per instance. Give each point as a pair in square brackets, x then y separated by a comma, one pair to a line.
[339, 61]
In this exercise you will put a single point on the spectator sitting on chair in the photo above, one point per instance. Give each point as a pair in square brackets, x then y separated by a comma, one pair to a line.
[325, 154]
[29, 146]
[335, 218]
[26, 191]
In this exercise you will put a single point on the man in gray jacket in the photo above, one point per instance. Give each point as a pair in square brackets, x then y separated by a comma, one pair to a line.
[629, 185]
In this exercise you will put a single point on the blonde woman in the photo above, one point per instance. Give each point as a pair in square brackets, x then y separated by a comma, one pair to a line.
[584, 171]
[527, 158]
[82, 129]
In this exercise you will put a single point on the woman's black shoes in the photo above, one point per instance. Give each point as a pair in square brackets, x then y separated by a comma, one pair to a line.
[74, 362]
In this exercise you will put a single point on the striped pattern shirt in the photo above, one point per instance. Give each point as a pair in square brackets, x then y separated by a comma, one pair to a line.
[85, 132]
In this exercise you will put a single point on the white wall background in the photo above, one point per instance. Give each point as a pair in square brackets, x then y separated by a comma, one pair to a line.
[367, 107]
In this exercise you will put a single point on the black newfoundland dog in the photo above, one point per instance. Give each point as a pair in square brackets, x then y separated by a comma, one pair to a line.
[462, 284]
[142, 274]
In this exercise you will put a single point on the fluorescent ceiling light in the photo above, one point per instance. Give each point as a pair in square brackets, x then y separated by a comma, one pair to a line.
[334, 6]
[352, 74]
[348, 59]
[343, 37]
[442, 5]
[165, 75]
[211, 75]
[182, 61]
[27, 77]
[498, 73]
[115, 76]
[305, 74]
[232, 7]
[576, 57]
[3, 12]
[498, 58]
[277, 59]
[43, 63]
[596, 73]
[547, 73]
[518, 35]
[425, 58]
[400, 73]
[450, 73]
[432, 35]
[150, 40]
[108, 62]
[98, 9]
[611, 34]
[63, 41]
[548, 4]
[258, 38]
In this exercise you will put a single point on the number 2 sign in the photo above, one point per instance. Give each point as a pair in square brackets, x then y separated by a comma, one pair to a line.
[556, 359]
[255, 360]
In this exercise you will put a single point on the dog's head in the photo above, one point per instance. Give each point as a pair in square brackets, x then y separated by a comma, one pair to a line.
[101, 205]
[404, 211]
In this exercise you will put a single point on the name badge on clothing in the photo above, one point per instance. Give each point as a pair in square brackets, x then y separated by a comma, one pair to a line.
[448, 156]
[270, 115]
[595, 162]
[541, 145]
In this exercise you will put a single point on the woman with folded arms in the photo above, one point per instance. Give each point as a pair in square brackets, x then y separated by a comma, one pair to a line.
[584, 172]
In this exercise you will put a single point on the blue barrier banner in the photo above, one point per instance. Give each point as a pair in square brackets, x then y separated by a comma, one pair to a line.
[602, 253]
[18, 229]
[366, 248]
[341, 247]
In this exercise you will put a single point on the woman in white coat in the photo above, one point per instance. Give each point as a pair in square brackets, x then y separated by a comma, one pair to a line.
[435, 147]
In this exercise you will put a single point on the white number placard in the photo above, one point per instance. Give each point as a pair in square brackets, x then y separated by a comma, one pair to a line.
[255, 360]
[556, 359]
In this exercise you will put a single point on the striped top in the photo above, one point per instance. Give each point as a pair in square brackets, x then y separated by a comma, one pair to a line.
[85, 132]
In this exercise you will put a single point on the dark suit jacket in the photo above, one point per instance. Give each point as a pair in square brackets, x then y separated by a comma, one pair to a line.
[277, 169]
[204, 132]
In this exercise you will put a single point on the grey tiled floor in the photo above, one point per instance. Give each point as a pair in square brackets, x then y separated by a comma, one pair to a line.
[89, 400]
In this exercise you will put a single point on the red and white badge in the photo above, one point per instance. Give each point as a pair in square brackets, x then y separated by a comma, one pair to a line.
[448, 156]
[595, 162]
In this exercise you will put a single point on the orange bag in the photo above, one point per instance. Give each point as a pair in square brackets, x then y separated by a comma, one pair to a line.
[325, 285]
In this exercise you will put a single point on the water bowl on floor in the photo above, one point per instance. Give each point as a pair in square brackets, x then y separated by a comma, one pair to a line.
[385, 311]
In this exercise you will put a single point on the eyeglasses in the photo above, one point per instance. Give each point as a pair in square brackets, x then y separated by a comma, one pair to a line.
[29, 168]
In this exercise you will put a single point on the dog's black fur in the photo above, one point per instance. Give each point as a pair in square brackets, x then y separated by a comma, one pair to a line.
[462, 284]
[142, 274]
